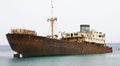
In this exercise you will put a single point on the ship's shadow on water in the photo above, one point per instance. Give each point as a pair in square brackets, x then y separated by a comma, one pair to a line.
[49, 60]
[108, 59]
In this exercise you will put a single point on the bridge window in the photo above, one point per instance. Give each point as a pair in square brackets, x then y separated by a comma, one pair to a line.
[75, 34]
[71, 35]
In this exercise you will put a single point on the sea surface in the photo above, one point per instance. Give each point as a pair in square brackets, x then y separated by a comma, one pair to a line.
[108, 59]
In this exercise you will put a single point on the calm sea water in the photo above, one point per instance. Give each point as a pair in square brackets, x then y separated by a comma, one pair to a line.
[109, 59]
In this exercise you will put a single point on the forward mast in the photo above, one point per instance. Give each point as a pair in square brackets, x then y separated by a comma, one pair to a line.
[52, 20]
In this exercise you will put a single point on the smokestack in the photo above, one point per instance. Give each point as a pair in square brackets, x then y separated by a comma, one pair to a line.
[84, 28]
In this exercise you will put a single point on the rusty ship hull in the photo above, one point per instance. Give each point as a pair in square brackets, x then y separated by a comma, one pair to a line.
[29, 46]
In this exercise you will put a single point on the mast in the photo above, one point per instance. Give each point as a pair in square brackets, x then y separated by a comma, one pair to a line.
[52, 20]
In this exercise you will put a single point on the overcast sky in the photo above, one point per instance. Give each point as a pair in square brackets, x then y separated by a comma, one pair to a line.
[102, 15]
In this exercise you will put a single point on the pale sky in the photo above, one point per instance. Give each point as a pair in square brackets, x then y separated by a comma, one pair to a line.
[102, 15]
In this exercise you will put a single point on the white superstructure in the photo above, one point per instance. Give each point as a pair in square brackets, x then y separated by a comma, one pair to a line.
[90, 36]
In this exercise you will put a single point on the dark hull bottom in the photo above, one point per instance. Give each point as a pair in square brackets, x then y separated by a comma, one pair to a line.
[30, 46]
[69, 52]
[62, 54]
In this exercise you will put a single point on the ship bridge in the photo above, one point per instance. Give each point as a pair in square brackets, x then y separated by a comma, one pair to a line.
[85, 36]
